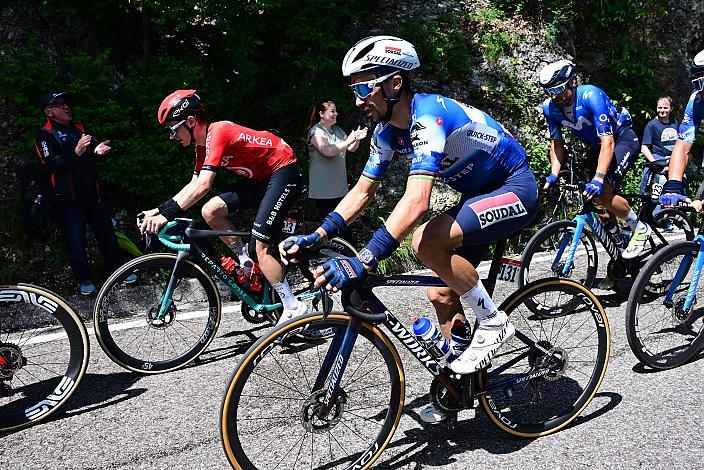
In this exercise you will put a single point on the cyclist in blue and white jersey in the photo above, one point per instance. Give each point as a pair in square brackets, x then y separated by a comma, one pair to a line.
[593, 119]
[674, 190]
[449, 141]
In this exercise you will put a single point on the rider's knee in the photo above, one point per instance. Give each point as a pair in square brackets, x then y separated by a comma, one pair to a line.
[441, 295]
[212, 210]
[422, 242]
[259, 249]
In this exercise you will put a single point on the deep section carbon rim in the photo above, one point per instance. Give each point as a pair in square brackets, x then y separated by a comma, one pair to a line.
[561, 363]
[43, 354]
[269, 420]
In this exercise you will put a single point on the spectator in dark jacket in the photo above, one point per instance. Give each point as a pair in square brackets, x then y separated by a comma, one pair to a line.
[69, 152]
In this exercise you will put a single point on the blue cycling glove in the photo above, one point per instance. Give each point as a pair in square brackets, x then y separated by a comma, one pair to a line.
[550, 180]
[303, 241]
[673, 192]
[340, 272]
[593, 188]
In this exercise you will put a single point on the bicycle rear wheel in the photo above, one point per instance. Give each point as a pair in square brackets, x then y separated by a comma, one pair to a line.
[268, 419]
[663, 335]
[126, 316]
[43, 354]
[570, 337]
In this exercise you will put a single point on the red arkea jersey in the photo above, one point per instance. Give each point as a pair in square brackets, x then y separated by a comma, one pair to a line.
[249, 153]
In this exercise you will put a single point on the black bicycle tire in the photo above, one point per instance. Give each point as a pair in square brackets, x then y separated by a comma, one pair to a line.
[117, 355]
[228, 429]
[639, 286]
[543, 234]
[79, 354]
[559, 422]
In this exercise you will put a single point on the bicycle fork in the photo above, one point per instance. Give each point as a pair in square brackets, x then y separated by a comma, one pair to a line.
[166, 300]
[335, 363]
[682, 271]
[581, 219]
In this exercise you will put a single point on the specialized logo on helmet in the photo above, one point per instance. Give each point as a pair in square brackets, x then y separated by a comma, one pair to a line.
[377, 59]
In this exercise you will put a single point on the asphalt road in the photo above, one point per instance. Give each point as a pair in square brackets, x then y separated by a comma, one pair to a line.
[118, 419]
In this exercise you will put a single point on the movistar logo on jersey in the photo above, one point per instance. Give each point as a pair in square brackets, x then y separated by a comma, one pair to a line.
[581, 122]
[402, 64]
[253, 139]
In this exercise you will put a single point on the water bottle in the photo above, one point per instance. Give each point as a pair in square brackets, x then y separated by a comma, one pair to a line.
[256, 279]
[461, 338]
[235, 269]
[431, 338]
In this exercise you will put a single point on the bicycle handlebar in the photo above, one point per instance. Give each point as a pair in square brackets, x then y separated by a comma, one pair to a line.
[170, 241]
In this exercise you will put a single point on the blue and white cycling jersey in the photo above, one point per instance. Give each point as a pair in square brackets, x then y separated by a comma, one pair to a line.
[693, 114]
[593, 116]
[460, 144]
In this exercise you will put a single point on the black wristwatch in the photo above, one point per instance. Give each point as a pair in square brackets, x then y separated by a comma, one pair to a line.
[368, 258]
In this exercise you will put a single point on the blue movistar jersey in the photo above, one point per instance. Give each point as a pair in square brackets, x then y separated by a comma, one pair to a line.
[593, 116]
[693, 114]
[461, 145]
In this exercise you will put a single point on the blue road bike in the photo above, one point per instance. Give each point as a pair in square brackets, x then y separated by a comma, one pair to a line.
[665, 312]
[568, 248]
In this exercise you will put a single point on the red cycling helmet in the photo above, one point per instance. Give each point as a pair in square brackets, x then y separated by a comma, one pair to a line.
[179, 105]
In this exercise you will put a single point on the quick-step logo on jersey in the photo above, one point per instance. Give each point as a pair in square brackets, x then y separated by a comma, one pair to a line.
[496, 209]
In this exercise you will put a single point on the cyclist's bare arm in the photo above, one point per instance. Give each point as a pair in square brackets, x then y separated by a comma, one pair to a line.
[557, 158]
[195, 190]
[354, 203]
[678, 159]
[411, 208]
[606, 154]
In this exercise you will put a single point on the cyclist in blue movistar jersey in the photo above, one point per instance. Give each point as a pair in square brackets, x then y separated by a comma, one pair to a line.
[446, 140]
[593, 119]
[674, 190]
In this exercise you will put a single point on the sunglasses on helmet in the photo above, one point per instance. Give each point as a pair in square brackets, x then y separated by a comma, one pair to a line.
[174, 128]
[363, 89]
[698, 83]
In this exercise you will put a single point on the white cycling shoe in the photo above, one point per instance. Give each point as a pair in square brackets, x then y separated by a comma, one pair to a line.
[431, 415]
[486, 342]
[286, 315]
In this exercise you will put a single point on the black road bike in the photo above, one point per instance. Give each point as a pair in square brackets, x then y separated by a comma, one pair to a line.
[335, 402]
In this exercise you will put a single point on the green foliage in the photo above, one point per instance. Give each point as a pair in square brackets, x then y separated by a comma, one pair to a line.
[496, 44]
[402, 260]
[441, 43]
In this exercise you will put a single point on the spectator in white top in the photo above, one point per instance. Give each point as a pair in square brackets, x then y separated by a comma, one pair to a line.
[327, 146]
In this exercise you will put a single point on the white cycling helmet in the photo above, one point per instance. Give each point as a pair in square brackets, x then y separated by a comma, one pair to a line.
[380, 55]
[555, 77]
[696, 71]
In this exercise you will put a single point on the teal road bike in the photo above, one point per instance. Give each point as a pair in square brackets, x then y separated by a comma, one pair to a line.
[170, 315]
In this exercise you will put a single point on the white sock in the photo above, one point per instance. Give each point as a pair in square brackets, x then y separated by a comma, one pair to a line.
[485, 310]
[632, 220]
[287, 298]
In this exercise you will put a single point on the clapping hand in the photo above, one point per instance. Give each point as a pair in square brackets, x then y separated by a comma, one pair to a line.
[83, 144]
[103, 148]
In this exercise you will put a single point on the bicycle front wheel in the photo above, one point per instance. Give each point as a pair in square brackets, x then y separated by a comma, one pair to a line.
[269, 411]
[43, 354]
[546, 253]
[569, 337]
[663, 334]
[127, 318]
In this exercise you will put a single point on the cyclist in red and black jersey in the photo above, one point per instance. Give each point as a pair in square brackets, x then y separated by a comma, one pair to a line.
[272, 183]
